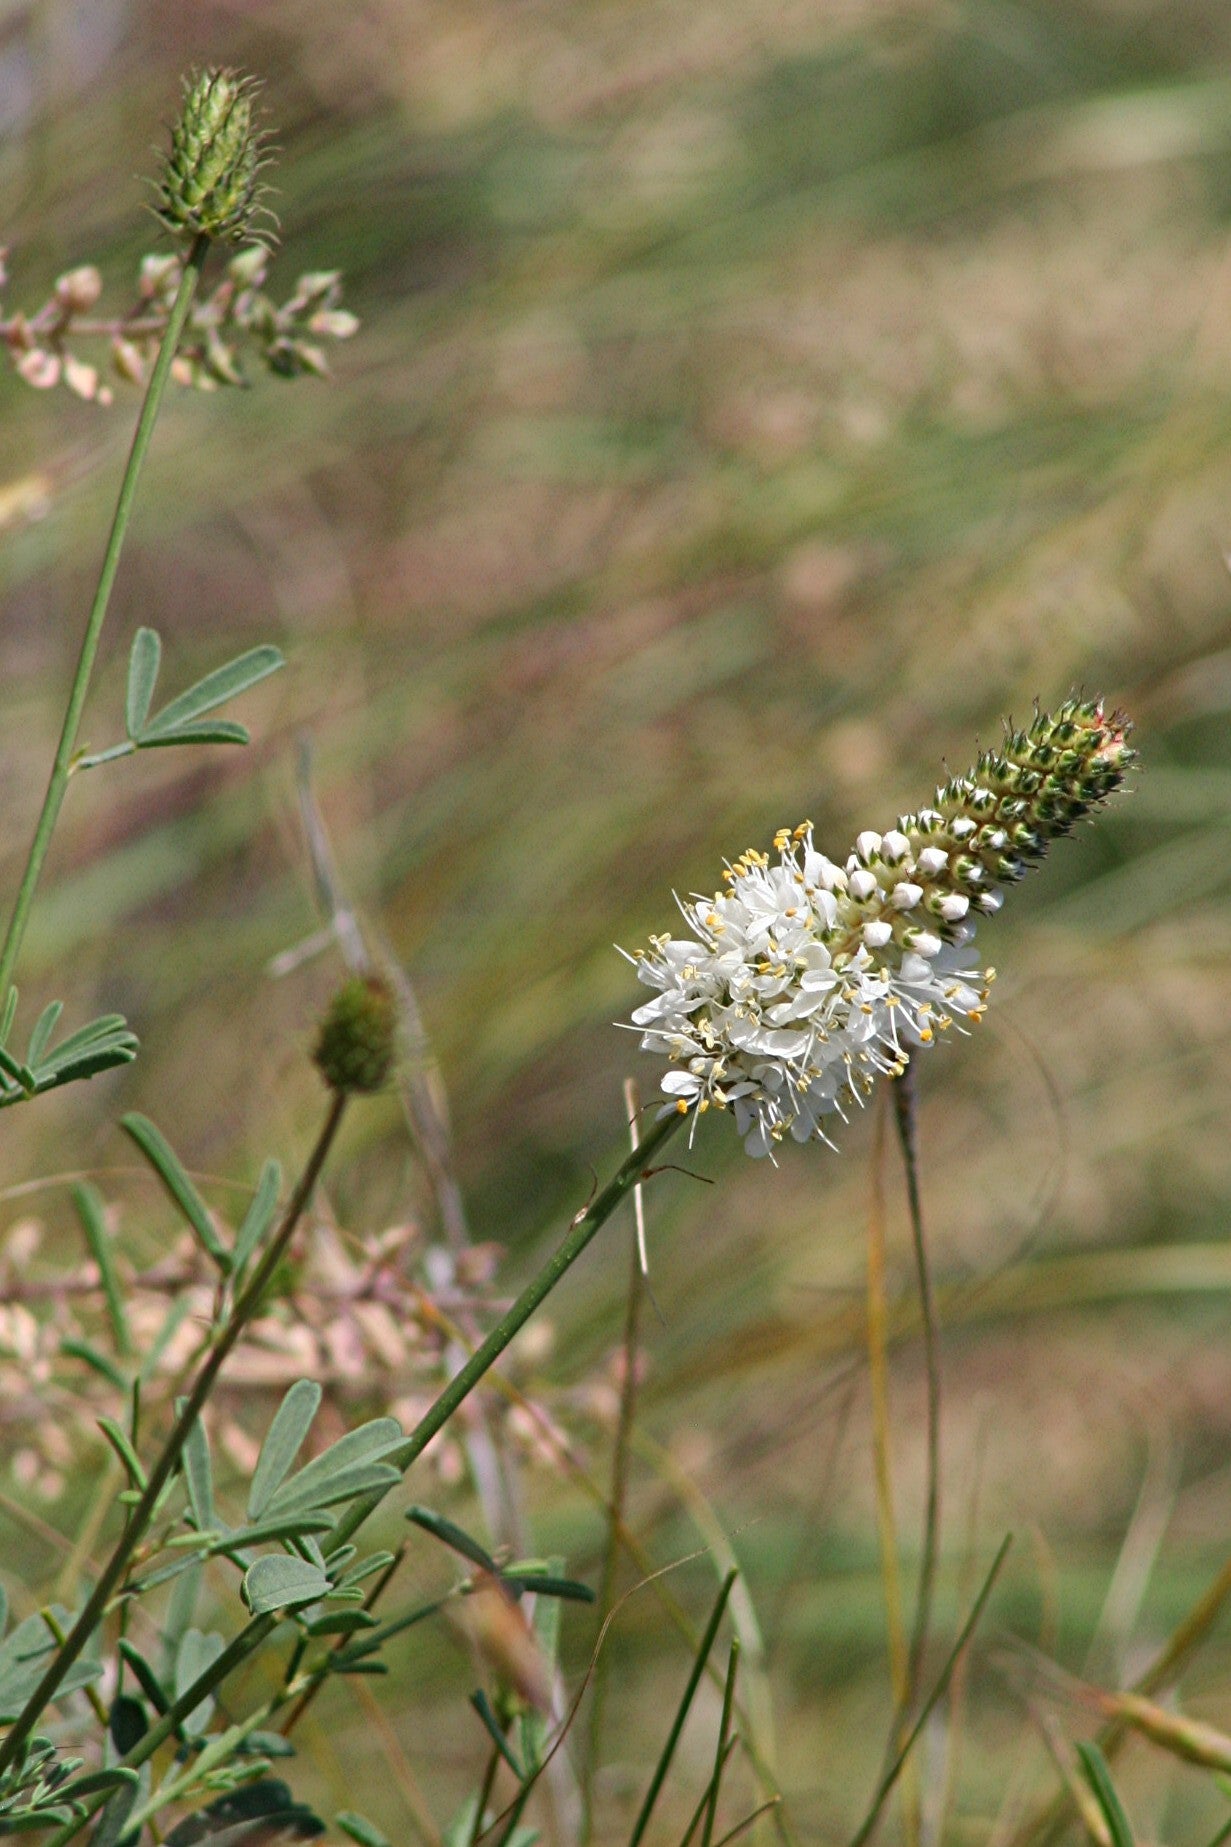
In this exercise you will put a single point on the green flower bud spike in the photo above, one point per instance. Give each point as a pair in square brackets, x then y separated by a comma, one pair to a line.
[210, 185]
[356, 1045]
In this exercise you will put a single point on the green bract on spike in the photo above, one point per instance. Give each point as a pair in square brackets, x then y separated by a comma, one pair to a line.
[210, 184]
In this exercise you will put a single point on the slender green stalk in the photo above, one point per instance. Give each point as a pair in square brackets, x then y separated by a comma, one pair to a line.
[587, 1223]
[904, 1111]
[673, 1736]
[619, 1479]
[62, 766]
[139, 1520]
[725, 1741]
[584, 1227]
[866, 1827]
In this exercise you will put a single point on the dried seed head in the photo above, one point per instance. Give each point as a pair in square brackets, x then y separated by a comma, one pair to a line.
[210, 184]
[356, 1044]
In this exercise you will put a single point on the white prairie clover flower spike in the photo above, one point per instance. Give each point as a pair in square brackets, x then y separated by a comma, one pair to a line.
[803, 981]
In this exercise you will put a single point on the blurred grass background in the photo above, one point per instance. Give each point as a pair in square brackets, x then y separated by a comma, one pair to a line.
[753, 403]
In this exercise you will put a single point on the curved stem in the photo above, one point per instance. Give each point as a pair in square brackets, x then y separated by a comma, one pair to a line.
[62, 766]
[139, 1520]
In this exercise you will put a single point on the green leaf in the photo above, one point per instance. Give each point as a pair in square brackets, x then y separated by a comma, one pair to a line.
[8, 1016]
[482, 1706]
[522, 1578]
[348, 1467]
[221, 731]
[114, 1823]
[262, 1531]
[158, 1152]
[357, 1828]
[234, 1820]
[24, 1655]
[123, 1448]
[198, 1650]
[44, 1026]
[144, 1675]
[143, 660]
[259, 1216]
[211, 692]
[95, 1781]
[282, 1444]
[198, 1474]
[90, 1210]
[277, 1582]
[452, 1536]
[1098, 1776]
[340, 1622]
[107, 1369]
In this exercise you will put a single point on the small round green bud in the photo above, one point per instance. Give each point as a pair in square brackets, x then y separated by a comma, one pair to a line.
[357, 1039]
[210, 185]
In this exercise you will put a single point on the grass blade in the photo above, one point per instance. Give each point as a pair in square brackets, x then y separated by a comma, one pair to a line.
[673, 1736]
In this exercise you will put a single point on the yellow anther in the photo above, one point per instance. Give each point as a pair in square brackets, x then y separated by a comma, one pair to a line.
[926, 1034]
[681, 1108]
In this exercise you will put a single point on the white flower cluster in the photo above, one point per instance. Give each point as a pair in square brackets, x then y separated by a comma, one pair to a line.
[804, 981]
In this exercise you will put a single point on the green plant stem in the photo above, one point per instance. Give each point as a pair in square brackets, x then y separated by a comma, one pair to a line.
[584, 1227]
[619, 1491]
[904, 1112]
[62, 766]
[139, 1520]
[866, 1827]
[673, 1736]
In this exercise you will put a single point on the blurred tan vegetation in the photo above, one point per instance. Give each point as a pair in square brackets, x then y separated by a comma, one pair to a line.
[753, 403]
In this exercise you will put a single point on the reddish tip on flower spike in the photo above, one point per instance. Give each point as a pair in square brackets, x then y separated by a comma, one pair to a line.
[801, 983]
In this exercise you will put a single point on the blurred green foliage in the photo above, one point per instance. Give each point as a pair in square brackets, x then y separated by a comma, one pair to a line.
[753, 402]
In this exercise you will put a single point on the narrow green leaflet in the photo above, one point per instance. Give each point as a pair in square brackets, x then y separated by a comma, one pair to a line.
[452, 1536]
[199, 1475]
[348, 1467]
[235, 1820]
[44, 1026]
[359, 1828]
[278, 1582]
[88, 1202]
[211, 692]
[143, 662]
[99, 1046]
[283, 1440]
[23, 1657]
[161, 1157]
[198, 1650]
[144, 1675]
[119, 1441]
[259, 1216]
[220, 731]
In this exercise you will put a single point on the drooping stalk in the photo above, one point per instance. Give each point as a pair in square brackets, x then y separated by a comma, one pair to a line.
[61, 768]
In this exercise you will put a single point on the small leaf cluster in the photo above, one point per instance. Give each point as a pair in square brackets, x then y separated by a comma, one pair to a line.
[230, 328]
[95, 1047]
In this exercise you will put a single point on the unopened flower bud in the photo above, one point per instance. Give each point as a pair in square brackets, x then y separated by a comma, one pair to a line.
[77, 290]
[210, 185]
[356, 1043]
